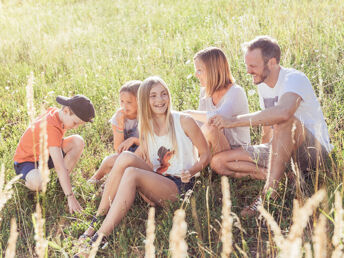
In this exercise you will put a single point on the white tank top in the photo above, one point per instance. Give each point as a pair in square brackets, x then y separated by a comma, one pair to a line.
[162, 156]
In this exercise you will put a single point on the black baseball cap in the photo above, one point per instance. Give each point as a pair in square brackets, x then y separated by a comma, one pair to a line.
[81, 106]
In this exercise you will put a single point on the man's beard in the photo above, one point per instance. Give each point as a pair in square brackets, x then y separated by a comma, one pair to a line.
[264, 75]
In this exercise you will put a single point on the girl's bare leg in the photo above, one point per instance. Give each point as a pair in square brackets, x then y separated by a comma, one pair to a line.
[124, 160]
[237, 163]
[105, 167]
[216, 139]
[156, 187]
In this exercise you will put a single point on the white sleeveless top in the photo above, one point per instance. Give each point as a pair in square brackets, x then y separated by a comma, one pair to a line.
[163, 157]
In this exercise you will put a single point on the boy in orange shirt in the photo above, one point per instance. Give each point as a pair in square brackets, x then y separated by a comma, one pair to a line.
[64, 153]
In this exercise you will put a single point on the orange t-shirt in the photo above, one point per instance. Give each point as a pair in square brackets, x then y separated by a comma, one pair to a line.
[28, 147]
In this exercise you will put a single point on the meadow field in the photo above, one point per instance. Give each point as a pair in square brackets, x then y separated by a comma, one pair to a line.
[92, 47]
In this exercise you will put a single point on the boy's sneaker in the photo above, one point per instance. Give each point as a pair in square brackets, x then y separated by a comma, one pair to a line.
[252, 209]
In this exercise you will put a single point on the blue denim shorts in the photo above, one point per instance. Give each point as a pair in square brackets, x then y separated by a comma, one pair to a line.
[24, 168]
[182, 187]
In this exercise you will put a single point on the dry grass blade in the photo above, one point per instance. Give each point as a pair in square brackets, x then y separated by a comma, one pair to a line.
[208, 214]
[292, 246]
[338, 234]
[149, 245]
[44, 154]
[278, 237]
[30, 97]
[227, 220]
[5, 190]
[41, 243]
[320, 238]
[11, 248]
[195, 218]
[178, 245]
[308, 250]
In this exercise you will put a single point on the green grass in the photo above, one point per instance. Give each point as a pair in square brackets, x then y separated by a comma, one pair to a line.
[93, 47]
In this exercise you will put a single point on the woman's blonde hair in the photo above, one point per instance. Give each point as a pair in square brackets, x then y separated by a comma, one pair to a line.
[145, 115]
[219, 75]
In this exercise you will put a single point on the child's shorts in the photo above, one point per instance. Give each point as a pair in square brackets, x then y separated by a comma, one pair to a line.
[182, 187]
[24, 168]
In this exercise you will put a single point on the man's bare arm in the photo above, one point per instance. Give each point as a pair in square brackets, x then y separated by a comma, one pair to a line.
[284, 109]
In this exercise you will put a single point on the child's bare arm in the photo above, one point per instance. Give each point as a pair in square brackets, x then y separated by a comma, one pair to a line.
[64, 178]
[118, 130]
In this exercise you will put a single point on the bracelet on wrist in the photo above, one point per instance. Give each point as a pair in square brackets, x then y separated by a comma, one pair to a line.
[119, 130]
[69, 195]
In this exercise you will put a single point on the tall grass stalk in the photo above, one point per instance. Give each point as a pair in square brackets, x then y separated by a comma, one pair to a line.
[41, 242]
[44, 154]
[178, 245]
[278, 237]
[227, 220]
[208, 215]
[6, 191]
[150, 235]
[195, 218]
[293, 243]
[308, 250]
[338, 234]
[11, 248]
[30, 97]
[319, 238]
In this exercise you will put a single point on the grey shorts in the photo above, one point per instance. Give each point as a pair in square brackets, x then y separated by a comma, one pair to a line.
[308, 156]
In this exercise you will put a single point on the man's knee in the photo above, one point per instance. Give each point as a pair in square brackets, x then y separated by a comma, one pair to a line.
[33, 180]
[292, 128]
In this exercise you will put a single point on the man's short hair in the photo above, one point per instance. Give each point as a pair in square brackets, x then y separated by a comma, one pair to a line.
[268, 46]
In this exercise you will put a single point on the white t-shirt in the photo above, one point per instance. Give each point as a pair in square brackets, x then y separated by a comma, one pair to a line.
[233, 103]
[162, 155]
[309, 112]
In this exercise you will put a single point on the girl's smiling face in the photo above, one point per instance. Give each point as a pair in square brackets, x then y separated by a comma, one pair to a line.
[158, 99]
[129, 104]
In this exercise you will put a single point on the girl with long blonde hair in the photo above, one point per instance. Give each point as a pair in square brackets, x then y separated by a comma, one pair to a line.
[172, 150]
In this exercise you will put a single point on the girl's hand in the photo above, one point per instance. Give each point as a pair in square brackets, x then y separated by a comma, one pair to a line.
[185, 176]
[217, 121]
[125, 145]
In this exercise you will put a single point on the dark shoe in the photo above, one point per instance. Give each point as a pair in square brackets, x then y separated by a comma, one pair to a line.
[103, 242]
[86, 249]
[252, 209]
[91, 228]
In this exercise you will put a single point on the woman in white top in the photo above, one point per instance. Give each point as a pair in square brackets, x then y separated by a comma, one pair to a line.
[219, 95]
[172, 150]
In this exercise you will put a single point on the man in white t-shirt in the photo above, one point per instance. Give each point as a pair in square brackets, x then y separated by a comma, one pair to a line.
[291, 116]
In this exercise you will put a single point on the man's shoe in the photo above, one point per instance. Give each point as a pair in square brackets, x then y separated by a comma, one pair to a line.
[252, 209]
